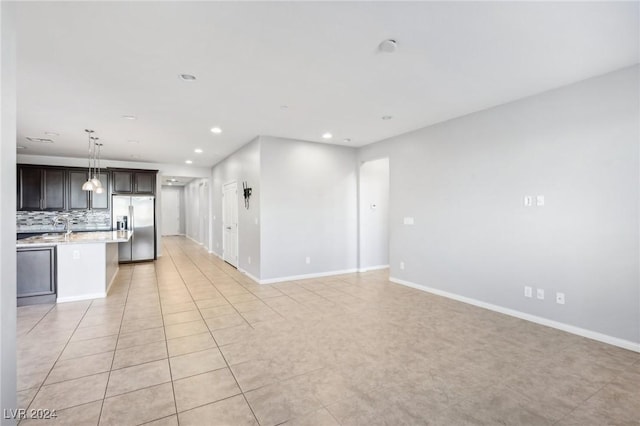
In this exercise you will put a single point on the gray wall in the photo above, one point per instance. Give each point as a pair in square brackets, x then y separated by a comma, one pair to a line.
[7, 210]
[373, 195]
[309, 208]
[196, 206]
[464, 180]
[242, 165]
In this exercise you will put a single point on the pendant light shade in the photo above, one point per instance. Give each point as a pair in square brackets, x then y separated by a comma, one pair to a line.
[88, 185]
[95, 181]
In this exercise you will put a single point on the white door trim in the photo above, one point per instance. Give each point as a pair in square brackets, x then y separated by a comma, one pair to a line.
[224, 248]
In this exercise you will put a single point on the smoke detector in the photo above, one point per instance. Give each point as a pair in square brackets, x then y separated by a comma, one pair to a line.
[388, 46]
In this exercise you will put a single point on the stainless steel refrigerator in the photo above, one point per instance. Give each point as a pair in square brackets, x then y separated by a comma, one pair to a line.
[137, 213]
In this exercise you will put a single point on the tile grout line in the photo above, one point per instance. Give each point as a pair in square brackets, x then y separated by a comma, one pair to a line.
[166, 343]
[106, 388]
[214, 339]
[58, 358]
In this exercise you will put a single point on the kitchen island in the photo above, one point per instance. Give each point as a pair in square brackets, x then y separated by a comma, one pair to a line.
[82, 265]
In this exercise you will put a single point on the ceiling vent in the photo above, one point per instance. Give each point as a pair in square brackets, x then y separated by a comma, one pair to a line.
[40, 140]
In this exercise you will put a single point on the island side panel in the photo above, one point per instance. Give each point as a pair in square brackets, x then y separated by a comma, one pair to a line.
[81, 271]
[112, 265]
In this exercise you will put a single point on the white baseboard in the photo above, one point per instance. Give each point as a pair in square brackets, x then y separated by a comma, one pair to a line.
[307, 276]
[194, 240]
[257, 280]
[79, 298]
[593, 335]
[373, 268]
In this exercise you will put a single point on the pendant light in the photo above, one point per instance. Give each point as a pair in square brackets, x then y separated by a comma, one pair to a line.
[100, 189]
[95, 181]
[88, 185]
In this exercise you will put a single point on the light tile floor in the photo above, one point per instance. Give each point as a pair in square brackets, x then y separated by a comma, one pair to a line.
[188, 340]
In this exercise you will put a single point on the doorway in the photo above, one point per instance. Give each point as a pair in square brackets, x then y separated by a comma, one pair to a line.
[171, 211]
[230, 223]
[374, 215]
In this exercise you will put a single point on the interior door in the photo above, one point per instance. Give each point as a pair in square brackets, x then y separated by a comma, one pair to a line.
[230, 223]
[171, 211]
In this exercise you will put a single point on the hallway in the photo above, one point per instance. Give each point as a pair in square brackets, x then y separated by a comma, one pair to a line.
[190, 335]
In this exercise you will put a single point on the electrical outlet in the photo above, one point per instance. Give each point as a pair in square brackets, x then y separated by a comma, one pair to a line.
[539, 200]
[528, 291]
[560, 298]
[76, 254]
[402, 265]
[307, 260]
[540, 293]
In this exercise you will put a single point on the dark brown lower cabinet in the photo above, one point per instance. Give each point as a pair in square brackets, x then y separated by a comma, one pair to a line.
[36, 275]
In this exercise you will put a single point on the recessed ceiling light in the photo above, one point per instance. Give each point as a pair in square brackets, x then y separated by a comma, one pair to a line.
[173, 180]
[187, 77]
[327, 135]
[346, 140]
[387, 117]
[197, 151]
[129, 117]
[21, 147]
[40, 140]
[216, 130]
[52, 134]
[169, 184]
[188, 161]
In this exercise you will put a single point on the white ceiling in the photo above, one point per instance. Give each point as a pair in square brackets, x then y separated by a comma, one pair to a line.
[85, 64]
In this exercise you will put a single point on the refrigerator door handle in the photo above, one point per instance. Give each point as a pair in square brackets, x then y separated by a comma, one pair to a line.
[131, 221]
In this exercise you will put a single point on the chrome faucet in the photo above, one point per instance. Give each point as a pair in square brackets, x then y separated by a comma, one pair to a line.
[64, 219]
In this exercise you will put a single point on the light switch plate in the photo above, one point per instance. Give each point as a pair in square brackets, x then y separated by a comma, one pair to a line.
[528, 201]
[528, 291]
[408, 221]
[540, 293]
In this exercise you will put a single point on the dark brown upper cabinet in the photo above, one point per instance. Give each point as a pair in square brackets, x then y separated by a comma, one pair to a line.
[145, 182]
[41, 188]
[122, 182]
[101, 201]
[134, 182]
[78, 199]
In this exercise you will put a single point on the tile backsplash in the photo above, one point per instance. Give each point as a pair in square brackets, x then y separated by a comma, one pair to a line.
[79, 220]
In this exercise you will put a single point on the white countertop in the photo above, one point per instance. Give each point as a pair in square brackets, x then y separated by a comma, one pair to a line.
[76, 238]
